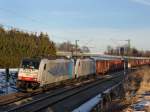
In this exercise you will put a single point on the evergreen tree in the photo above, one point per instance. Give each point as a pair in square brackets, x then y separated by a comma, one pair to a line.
[15, 45]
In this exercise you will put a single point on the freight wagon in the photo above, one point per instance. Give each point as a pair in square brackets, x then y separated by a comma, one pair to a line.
[102, 65]
[137, 61]
[105, 65]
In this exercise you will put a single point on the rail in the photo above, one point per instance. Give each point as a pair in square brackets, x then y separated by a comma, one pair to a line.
[51, 99]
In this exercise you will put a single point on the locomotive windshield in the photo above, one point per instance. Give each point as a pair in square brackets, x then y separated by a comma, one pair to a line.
[32, 64]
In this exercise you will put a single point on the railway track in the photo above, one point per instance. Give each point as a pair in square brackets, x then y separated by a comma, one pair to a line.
[15, 97]
[50, 99]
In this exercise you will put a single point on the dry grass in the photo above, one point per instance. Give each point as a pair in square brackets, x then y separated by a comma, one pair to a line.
[145, 84]
[140, 80]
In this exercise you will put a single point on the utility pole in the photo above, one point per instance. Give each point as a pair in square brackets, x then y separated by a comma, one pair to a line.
[129, 45]
[76, 43]
[7, 79]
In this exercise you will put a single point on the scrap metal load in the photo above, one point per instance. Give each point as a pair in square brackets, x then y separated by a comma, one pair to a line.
[35, 73]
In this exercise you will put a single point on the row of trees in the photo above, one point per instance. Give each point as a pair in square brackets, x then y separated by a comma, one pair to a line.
[69, 47]
[125, 50]
[15, 45]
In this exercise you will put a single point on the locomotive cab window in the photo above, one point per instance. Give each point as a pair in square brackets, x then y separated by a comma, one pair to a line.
[30, 64]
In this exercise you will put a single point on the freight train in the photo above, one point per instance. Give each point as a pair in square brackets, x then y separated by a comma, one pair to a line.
[35, 73]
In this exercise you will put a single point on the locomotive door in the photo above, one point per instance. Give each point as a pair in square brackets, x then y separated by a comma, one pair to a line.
[44, 74]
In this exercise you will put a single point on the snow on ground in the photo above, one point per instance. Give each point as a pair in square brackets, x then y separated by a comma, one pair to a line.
[8, 87]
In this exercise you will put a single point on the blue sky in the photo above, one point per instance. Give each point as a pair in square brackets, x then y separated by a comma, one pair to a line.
[96, 23]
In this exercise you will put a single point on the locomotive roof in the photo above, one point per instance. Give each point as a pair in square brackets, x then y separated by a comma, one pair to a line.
[105, 58]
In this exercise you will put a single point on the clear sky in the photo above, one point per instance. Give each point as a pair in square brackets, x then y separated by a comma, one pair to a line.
[95, 23]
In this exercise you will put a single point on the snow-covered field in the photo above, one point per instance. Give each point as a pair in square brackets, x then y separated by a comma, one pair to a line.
[10, 86]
